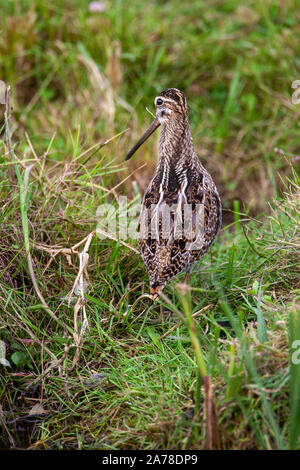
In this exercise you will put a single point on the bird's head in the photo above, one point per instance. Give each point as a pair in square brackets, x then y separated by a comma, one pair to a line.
[170, 105]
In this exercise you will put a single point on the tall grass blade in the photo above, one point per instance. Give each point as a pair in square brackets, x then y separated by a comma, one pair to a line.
[294, 332]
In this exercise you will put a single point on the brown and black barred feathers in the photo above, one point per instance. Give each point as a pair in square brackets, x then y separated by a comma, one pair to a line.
[181, 209]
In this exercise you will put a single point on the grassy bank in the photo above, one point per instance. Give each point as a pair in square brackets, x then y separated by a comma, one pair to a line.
[117, 371]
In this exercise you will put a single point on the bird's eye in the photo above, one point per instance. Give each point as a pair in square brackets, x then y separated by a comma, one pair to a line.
[159, 101]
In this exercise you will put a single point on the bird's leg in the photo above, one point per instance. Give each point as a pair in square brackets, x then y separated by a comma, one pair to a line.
[188, 274]
[187, 277]
[161, 313]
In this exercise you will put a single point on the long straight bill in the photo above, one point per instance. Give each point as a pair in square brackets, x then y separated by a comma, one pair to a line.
[144, 137]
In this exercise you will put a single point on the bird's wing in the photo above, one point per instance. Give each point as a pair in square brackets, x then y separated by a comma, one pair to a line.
[206, 215]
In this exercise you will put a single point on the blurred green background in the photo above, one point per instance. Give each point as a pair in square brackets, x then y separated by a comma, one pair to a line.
[70, 66]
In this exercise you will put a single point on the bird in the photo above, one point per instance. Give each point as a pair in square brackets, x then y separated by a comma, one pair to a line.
[181, 211]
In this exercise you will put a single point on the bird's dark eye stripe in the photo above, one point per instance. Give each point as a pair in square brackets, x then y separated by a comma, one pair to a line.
[159, 101]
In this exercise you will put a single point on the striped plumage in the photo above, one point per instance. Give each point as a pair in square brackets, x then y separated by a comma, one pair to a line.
[181, 188]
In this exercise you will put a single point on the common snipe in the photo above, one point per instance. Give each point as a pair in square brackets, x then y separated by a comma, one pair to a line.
[181, 209]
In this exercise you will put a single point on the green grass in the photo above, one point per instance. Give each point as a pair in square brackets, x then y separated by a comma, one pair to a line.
[127, 381]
